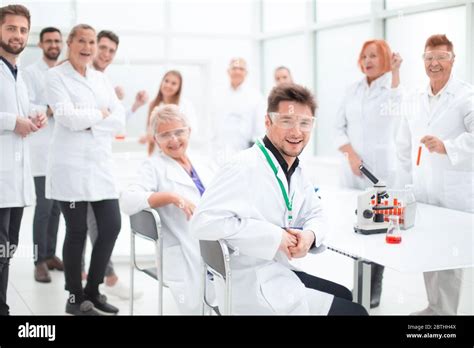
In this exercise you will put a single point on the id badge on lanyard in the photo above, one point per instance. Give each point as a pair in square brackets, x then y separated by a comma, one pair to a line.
[288, 202]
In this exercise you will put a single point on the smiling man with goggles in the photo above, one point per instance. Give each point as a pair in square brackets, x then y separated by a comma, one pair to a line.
[289, 121]
[168, 135]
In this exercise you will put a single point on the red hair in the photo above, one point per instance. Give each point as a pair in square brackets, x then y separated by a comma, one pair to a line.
[438, 40]
[383, 49]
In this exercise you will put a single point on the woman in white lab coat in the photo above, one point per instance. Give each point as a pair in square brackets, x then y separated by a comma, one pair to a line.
[440, 119]
[169, 92]
[80, 168]
[172, 182]
[365, 129]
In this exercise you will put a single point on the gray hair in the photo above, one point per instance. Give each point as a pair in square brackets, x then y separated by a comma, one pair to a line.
[165, 114]
[73, 33]
[76, 28]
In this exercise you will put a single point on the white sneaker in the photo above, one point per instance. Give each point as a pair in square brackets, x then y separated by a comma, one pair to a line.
[122, 291]
[426, 311]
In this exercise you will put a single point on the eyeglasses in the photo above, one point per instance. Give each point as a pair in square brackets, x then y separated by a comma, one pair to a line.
[440, 56]
[177, 133]
[289, 121]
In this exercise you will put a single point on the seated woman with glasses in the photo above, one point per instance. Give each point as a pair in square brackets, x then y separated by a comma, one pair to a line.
[172, 182]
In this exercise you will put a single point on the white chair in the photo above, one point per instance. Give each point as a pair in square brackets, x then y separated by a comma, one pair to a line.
[146, 224]
[216, 257]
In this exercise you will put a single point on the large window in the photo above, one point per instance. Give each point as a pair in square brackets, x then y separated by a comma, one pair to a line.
[121, 15]
[336, 58]
[210, 16]
[327, 10]
[391, 4]
[317, 39]
[47, 13]
[278, 16]
[290, 51]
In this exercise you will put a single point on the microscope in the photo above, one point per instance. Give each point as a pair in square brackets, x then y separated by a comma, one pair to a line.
[372, 206]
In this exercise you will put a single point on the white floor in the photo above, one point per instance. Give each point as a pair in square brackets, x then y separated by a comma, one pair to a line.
[402, 294]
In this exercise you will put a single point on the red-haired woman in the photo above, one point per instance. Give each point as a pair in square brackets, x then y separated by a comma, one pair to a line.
[170, 93]
[365, 128]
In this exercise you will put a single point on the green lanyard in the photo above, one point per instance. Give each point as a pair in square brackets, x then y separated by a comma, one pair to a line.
[288, 203]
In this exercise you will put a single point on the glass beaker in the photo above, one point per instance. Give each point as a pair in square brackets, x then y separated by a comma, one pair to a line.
[409, 194]
[394, 235]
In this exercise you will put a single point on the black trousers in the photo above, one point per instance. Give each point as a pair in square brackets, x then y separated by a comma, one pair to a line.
[10, 221]
[108, 218]
[342, 303]
[45, 223]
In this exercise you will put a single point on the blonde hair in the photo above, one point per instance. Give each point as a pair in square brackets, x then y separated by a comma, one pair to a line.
[72, 35]
[165, 114]
[76, 28]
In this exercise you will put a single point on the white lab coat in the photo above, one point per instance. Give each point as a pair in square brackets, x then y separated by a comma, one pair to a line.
[35, 79]
[366, 122]
[181, 256]
[442, 180]
[80, 163]
[244, 206]
[16, 181]
[239, 119]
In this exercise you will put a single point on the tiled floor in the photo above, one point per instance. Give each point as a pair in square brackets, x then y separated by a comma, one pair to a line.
[402, 293]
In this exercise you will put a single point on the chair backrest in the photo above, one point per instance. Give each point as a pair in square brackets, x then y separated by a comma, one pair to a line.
[215, 254]
[146, 223]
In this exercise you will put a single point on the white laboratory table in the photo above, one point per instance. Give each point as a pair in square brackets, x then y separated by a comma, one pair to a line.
[441, 239]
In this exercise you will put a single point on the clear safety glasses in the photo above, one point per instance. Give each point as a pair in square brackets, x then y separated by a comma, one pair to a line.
[440, 56]
[289, 121]
[178, 133]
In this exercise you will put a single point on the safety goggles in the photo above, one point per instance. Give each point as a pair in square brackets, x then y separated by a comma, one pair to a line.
[289, 121]
[177, 133]
[440, 56]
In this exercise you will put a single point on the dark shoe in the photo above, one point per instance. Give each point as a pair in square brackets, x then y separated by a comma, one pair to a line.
[55, 263]
[100, 303]
[376, 285]
[42, 273]
[85, 308]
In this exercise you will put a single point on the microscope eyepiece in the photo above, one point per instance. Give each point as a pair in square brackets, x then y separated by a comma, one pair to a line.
[368, 174]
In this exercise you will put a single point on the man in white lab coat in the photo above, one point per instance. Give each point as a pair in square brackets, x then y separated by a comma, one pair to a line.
[47, 212]
[107, 46]
[16, 182]
[282, 74]
[238, 119]
[440, 120]
[264, 206]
